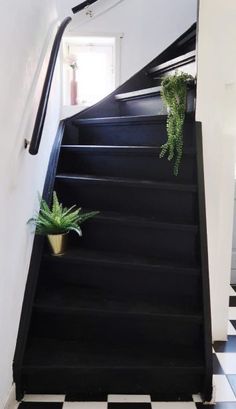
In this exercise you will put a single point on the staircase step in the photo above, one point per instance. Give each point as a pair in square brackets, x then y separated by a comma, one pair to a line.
[144, 278]
[60, 298]
[139, 236]
[137, 162]
[138, 130]
[185, 62]
[166, 201]
[149, 102]
[59, 366]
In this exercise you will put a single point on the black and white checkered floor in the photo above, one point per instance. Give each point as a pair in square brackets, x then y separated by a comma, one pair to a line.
[224, 357]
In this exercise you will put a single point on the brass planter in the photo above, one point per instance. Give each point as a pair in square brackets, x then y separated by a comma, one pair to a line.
[57, 243]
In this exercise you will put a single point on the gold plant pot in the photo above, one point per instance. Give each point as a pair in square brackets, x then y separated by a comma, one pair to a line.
[58, 243]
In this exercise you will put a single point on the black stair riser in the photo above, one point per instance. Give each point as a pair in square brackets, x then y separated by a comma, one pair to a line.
[104, 235]
[142, 166]
[166, 205]
[129, 134]
[147, 331]
[151, 105]
[112, 381]
[148, 285]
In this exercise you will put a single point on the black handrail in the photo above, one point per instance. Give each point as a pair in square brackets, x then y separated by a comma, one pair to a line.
[83, 5]
[42, 109]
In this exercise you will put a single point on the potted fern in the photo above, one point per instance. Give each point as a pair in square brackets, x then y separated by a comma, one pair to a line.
[57, 222]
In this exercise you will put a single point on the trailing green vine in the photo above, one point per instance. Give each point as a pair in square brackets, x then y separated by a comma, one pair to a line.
[174, 96]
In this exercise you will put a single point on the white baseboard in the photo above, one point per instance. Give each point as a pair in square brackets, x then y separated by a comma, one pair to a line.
[11, 402]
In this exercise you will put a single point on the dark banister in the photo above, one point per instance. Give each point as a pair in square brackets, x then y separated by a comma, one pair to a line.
[83, 5]
[42, 109]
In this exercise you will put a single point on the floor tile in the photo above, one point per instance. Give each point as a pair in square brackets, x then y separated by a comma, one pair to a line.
[221, 405]
[40, 405]
[197, 398]
[44, 398]
[216, 366]
[129, 398]
[232, 381]
[156, 397]
[129, 405]
[85, 405]
[232, 313]
[173, 405]
[231, 328]
[233, 322]
[226, 346]
[223, 390]
[227, 362]
[232, 301]
[84, 397]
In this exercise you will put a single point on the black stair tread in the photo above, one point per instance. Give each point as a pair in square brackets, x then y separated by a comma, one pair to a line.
[139, 93]
[151, 222]
[130, 182]
[124, 150]
[62, 298]
[55, 353]
[109, 258]
[143, 119]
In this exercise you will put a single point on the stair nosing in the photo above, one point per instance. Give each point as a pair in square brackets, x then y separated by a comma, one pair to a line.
[78, 310]
[127, 119]
[129, 182]
[167, 265]
[121, 149]
[142, 93]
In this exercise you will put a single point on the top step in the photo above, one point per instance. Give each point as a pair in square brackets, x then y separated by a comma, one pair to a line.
[185, 63]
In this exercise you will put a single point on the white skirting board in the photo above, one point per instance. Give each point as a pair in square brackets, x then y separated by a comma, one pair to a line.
[11, 402]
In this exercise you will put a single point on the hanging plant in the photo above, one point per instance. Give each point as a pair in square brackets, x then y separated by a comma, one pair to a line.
[174, 96]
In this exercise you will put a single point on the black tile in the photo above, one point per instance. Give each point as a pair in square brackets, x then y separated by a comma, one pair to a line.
[233, 322]
[129, 405]
[40, 405]
[232, 301]
[226, 346]
[217, 370]
[234, 287]
[168, 398]
[219, 405]
[86, 397]
[232, 381]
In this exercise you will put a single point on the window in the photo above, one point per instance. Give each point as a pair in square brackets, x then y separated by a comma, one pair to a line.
[91, 62]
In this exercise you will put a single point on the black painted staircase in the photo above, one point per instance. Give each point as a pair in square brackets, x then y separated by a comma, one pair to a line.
[126, 309]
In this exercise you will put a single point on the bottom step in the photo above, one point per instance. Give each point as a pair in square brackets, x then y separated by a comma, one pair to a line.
[53, 366]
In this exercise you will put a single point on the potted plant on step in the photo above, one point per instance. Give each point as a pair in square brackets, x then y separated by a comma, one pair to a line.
[57, 222]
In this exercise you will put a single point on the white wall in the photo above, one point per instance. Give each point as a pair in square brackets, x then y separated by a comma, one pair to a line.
[233, 260]
[149, 26]
[25, 35]
[216, 109]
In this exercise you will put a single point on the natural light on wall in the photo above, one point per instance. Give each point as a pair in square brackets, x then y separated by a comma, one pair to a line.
[88, 69]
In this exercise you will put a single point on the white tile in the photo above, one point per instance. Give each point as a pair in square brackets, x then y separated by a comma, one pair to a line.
[232, 313]
[227, 361]
[231, 329]
[129, 398]
[44, 398]
[223, 389]
[85, 405]
[173, 405]
[197, 398]
[231, 291]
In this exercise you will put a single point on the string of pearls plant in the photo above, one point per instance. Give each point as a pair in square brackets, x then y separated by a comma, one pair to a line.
[174, 96]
